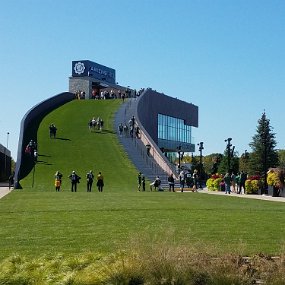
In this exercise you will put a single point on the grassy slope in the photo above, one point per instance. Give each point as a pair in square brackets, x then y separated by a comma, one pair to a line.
[76, 148]
[38, 220]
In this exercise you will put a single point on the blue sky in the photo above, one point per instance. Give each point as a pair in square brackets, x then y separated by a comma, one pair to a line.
[225, 56]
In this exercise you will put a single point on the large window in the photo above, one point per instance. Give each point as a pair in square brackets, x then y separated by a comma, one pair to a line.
[173, 129]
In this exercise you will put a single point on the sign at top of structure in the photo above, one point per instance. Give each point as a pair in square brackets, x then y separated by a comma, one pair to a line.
[89, 68]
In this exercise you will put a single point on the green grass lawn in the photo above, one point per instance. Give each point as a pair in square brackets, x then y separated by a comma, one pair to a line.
[36, 220]
[76, 148]
[34, 223]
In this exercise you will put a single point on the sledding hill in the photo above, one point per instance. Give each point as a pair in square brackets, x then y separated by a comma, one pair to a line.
[77, 148]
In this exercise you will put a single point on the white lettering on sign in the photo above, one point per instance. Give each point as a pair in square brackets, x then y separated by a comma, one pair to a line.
[102, 72]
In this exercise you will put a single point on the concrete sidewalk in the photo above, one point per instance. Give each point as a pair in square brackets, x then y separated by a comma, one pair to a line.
[4, 191]
[250, 196]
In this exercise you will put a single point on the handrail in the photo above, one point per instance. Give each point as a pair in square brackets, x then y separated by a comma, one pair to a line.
[155, 152]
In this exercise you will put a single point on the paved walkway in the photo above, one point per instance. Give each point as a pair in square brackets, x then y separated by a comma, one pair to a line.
[251, 196]
[4, 190]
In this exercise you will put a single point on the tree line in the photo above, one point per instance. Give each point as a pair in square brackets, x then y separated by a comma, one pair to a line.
[262, 156]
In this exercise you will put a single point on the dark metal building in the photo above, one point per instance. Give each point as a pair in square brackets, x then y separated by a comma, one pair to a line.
[5, 163]
[168, 121]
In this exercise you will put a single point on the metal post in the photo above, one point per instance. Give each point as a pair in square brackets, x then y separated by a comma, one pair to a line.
[228, 140]
[8, 140]
[201, 147]
[179, 157]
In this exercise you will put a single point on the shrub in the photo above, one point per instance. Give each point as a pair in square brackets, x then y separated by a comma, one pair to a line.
[252, 184]
[213, 183]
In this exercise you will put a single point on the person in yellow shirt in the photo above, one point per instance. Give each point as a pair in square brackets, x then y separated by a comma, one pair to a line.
[57, 181]
[100, 182]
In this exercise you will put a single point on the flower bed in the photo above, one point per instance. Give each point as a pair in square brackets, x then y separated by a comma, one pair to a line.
[252, 184]
[213, 183]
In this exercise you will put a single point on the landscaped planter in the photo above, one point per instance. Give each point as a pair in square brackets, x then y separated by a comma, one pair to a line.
[275, 181]
[270, 190]
[275, 192]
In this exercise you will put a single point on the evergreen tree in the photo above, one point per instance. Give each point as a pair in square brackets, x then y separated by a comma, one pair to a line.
[281, 156]
[263, 146]
[234, 163]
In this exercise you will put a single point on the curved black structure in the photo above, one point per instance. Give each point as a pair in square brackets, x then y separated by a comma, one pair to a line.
[28, 131]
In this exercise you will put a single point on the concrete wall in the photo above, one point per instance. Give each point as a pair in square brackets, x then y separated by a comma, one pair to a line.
[29, 127]
[82, 84]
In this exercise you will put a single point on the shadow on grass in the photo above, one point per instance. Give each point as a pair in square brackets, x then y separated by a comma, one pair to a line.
[104, 132]
[63, 139]
[44, 162]
[44, 155]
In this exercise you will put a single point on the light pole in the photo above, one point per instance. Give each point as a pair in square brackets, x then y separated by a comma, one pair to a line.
[8, 139]
[264, 160]
[229, 152]
[179, 157]
[201, 147]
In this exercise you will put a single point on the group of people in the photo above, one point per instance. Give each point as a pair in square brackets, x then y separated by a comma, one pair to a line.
[129, 130]
[100, 94]
[233, 183]
[191, 180]
[96, 124]
[75, 180]
[31, 150]
[52, 131]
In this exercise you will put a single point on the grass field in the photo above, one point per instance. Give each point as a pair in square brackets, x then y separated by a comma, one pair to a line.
[33, 223]
[37, 221]
[49, 237]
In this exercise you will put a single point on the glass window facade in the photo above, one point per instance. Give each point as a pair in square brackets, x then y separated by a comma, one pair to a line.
[173, 129]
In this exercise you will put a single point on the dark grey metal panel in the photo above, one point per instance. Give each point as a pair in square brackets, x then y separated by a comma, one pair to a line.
[152, 103]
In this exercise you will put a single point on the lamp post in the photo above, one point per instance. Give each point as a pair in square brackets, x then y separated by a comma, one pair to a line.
[8, 140]
[264, 160]
[229, 152]
[201, 147]
[179, 157]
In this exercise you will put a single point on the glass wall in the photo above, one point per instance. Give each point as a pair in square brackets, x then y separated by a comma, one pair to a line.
[173, 129]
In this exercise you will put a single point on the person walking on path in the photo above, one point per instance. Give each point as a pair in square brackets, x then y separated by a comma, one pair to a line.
[195, 181]
[90, 178]
[75, 179]
[139, 181]
[228, 183]
[182, 180]
[100, 182]
[57, 181]
[243, 177]
[171, 182]
[11, 180]
[121, 128]
[143, 183]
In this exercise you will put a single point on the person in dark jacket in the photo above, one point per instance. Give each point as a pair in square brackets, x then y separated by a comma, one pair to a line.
[171, 182]
[90, 178]
[75, 179]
